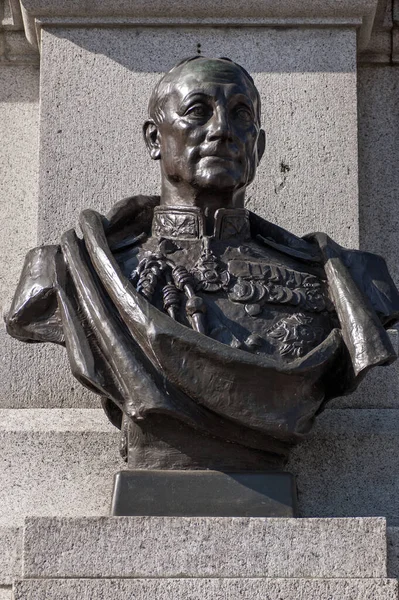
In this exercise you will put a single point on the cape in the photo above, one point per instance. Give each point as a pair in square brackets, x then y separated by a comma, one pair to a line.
[143, 362]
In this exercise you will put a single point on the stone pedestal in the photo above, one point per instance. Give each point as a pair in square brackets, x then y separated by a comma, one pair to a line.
[208, 589]
[98, 65]
[201, 558]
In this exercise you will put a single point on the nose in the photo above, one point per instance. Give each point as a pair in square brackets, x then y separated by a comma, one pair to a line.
[219, 125]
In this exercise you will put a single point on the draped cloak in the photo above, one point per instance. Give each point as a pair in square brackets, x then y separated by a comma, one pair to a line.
[143, 362]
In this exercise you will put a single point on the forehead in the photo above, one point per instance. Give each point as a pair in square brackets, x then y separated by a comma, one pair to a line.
[211, 77]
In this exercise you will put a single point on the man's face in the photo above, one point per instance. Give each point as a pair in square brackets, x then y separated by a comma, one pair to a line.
[208, 136]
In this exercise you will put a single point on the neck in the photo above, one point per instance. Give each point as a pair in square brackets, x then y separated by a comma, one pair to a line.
[183, 195]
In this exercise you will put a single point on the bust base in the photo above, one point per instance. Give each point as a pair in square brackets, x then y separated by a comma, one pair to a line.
[204, 494]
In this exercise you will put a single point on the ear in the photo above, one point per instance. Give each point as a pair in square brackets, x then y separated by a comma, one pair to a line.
[261, 144]
[151, 137]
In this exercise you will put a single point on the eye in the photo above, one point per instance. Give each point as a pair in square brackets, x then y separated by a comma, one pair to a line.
[244, 113]
[199, 110]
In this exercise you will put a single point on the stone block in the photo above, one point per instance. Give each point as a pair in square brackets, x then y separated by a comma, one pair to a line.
[203, 493]
[10, 555]
[231, 13]
[393, 552]
[56, 462]
[378, 90]
[6, 593]
[38, 376]
[349, 466]
[203, 547]
[208, 589]
[19, 128]
[95, 85]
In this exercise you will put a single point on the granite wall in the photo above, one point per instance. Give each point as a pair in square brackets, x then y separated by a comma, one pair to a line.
[352, 459]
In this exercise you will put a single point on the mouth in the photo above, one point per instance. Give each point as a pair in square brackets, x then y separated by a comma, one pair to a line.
[219, 153]
[221, 157]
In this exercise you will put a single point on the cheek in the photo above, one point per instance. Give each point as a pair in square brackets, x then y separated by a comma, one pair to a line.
[251, 147]
[180, 146]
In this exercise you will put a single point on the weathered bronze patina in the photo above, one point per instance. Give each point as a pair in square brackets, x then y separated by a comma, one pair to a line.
[214, 336]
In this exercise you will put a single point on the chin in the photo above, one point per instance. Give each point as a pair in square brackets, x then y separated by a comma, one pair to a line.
[219, 179]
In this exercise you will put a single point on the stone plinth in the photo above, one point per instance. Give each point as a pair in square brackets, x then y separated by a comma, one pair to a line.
[208, 589]
[349, 465]
[73, 455]
[205, 558]
[204, 547]
[56, 462]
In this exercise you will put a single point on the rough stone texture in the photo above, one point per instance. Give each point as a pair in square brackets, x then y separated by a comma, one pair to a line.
[204, 547]
[17, 50]
[19, 108]
[38, 376]
[96, 102]
[393, 552]
[379, 389]
[56, 462]
[6, 593]
[10, 15]
[189, 8]
[349, 466]
[395, 46]
[379, 47]
[282, 13]
[208, 589]
[30, 375]
[378, 156]
[10, 555]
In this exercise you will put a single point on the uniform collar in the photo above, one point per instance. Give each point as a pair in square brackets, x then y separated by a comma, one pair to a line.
[188, 223]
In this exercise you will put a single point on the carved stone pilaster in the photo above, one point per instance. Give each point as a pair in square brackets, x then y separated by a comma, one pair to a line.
[383, 47]
[14, 47]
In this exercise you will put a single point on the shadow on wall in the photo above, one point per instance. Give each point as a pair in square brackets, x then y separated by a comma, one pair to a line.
[378, 92]
[19, 84]
[156, 50]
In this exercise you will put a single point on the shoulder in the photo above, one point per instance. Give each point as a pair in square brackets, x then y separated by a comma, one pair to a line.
[130, 216]
[286, 242]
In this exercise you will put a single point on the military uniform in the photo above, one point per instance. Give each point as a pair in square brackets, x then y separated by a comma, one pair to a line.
[237, 335]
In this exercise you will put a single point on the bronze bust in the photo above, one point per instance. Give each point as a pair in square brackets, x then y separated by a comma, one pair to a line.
[213, 336]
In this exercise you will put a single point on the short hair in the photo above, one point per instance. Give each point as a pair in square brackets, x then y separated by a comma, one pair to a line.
[164, 85]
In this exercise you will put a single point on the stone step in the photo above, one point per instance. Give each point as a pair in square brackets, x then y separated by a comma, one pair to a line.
[203, 547]
[10, 555]
[207, 589]
[56, 462]
[349, 466]
[61, 462]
